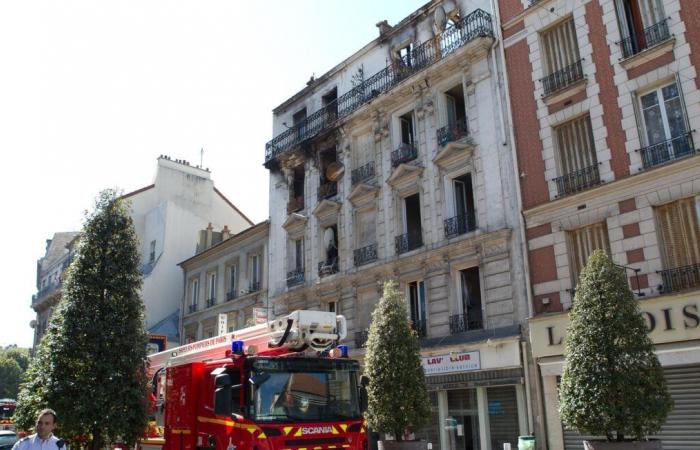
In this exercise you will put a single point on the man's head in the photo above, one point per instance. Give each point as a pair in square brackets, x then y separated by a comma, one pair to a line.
[45, 423]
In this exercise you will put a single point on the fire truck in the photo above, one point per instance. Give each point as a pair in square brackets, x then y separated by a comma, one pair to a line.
[7, 408]
[284, 384]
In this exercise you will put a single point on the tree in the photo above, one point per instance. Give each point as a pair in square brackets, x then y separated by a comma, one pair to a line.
[20, 355]
[397, 395]
[90, 366]
[612, 381]
[10, 375]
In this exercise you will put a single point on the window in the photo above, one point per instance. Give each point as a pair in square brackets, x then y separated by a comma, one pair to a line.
[406, 150]
[406, 123]
[365, 237]
[329, 172]
[232, 282]
[418, 307]
[412, 228]
[330, 104]
[194, 294]
[456, 116]
[561, 57]
[296, 193]
[406, 55]
[679, 239]
[331, 306]
[255, 272]
[152, 254]
[470, 315]
[642, 24]
[211, 288]
[299, 123]
[295, 262]
[578, 164]
[581, 243]
[329, 265]
[664, 124]
[463, 212]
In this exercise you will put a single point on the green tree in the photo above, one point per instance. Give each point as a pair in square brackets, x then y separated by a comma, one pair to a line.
[21, 355]
[397, 394]
[612, 384]
[10, 376]
[90, 366]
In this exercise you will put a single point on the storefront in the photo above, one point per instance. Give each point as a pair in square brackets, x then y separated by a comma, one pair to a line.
[477, 395]
[674, 324]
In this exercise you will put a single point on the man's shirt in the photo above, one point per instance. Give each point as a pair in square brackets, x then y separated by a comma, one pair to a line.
[34, 442]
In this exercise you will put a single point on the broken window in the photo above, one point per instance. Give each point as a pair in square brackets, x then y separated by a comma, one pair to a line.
[330, 171]
[330, 105]
[296, 193]
[299, 123]
[329, 265]
[470, 290]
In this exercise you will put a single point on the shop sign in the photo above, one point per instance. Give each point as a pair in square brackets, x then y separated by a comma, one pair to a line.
[453, 362]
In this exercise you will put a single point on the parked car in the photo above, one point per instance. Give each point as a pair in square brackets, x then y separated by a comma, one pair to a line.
[7, 439]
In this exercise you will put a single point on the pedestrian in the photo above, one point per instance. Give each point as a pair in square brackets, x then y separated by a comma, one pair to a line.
[43, 439]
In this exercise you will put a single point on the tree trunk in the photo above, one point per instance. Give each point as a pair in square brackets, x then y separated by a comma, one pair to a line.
[96, 438]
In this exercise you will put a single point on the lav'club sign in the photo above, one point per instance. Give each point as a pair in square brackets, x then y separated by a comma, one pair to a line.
[453, 362]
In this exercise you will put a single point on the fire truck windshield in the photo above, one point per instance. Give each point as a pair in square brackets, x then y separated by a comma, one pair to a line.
[304, 389]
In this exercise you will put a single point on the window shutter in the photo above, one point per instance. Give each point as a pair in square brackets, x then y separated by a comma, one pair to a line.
[560, 46]
[678, 228]
[575, 145]
[582, 242]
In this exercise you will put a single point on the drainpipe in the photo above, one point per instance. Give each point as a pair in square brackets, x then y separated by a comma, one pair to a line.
[521, 217]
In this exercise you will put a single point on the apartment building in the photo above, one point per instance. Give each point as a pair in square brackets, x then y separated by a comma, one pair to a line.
[227, 276]
[50, 272]
[397, 164]
[605, 103]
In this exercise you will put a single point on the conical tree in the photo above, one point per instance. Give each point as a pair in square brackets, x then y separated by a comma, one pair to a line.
[397, 394]
[612, 384]
[90, 366]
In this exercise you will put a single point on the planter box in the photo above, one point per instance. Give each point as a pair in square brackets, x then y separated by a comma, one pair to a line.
[627, 445]
[402, 445]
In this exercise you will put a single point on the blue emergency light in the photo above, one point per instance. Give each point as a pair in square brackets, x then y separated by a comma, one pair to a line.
[343, 351]
[237, 347]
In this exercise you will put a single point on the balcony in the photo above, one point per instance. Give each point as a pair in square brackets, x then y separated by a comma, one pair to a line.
[453, 132]
[326, 268]
[295, 204]
[680, 278]
[403, 154]
[254, 286]
[365, 255]
[577, 181]
[362, 173]
[361, 338]
[231, 295]
[46, 290]
[649, 37]
[327, 190]
[474, 320]
[667, 151]
[192, 308]
[475, 25]
[295, 277]
[420, 326]
[211, 302]
[407, 242]
[454, 226]
[563, 78]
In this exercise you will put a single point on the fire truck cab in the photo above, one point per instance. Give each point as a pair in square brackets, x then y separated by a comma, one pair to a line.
[7, 409]
[279, 385]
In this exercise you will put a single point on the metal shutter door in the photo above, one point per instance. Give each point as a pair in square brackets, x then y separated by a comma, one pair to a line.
[682, 428]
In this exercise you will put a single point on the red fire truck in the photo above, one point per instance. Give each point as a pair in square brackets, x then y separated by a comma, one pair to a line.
[280, 385]
[7, 408]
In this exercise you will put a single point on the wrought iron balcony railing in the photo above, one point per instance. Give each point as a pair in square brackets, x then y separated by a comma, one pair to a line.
[295, 277]
[46, 290]
[326, 268]
[254, 286]
[680, 278]
[454, 226]
[211, 302]
[365, 255]
[403, 154]
[577, 181]
[473, 320]
[407, 242]
[562, 78]
[327, 190]
[192, 308]
[295, 204]
[362, 173]
[231, 295]
[667, 151]
[452, 132]
[474, 25]
[361, 338]
[420, 326]
[649, 37]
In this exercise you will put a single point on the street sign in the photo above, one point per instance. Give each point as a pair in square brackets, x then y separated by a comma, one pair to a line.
[260, 315]
[223, 324]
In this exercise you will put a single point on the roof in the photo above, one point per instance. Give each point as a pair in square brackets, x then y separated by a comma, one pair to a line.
[233, 206]
[240, 235]
[170, 326]
[138, 191]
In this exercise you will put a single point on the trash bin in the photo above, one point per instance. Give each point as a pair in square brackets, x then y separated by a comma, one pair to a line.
[526, 443]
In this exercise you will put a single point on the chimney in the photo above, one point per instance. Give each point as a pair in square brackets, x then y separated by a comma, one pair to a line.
[225, 233]
[384, 27]
[207, 244]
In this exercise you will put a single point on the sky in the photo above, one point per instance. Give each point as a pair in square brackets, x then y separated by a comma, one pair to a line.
[92, 92]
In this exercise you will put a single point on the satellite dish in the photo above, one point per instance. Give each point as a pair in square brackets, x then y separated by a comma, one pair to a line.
[328, 239]
[334, 171]
[32, 324]
[439, 19]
